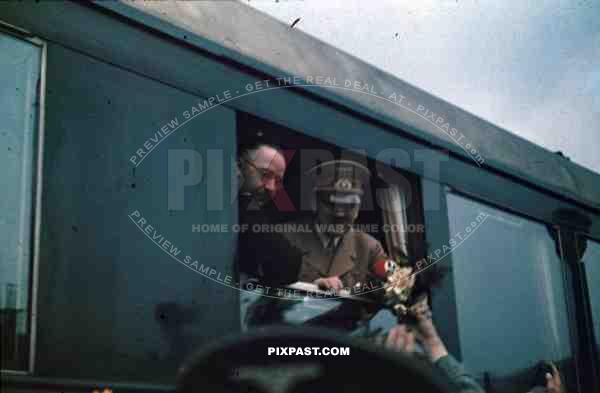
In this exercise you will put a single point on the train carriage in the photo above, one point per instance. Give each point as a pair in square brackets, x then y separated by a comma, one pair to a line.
[100, 102]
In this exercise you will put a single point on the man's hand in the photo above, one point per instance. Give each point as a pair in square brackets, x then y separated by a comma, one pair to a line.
[329, 283]
[401, 338]
[423, 315]
[554, 382]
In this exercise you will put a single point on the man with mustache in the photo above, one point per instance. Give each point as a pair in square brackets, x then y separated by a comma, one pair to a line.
[337, 256]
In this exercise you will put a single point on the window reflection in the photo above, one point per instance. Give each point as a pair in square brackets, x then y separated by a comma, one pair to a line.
[510, 299]
[19, 73]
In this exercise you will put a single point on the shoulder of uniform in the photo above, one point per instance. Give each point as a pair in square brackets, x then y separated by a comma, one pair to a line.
[364, 236]
[369, 240]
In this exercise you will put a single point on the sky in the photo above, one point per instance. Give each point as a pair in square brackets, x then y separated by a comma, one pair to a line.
[532, 68]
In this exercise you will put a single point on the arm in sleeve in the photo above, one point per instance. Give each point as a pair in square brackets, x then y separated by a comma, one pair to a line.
[376, 252]
[457, 375]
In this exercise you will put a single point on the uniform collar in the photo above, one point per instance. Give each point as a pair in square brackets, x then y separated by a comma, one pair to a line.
[325, 237]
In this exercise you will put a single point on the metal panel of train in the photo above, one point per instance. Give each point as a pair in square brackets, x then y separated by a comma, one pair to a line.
[120, 125]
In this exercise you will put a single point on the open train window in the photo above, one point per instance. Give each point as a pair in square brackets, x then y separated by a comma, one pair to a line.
[391, 209]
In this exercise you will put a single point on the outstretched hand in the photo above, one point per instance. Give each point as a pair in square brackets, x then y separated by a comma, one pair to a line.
[554, 382]
[402, 337]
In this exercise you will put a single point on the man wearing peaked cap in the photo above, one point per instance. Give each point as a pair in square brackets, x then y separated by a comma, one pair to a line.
[336, 256]
[344, 176]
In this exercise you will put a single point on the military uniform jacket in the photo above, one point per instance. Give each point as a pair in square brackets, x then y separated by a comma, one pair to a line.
[351, 260]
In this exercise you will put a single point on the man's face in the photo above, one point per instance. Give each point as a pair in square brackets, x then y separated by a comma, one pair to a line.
[340, 215]
[263, 171]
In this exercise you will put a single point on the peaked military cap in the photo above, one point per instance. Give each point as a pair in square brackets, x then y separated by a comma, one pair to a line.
[343, 180]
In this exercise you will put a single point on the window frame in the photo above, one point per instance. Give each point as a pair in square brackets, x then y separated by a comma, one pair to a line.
[586, 353]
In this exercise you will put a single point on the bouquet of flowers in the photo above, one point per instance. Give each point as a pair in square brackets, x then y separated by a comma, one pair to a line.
[398, 282]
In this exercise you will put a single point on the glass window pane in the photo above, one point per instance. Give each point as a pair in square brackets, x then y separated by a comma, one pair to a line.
[510, 296]
[591, 259]
[19, 75]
